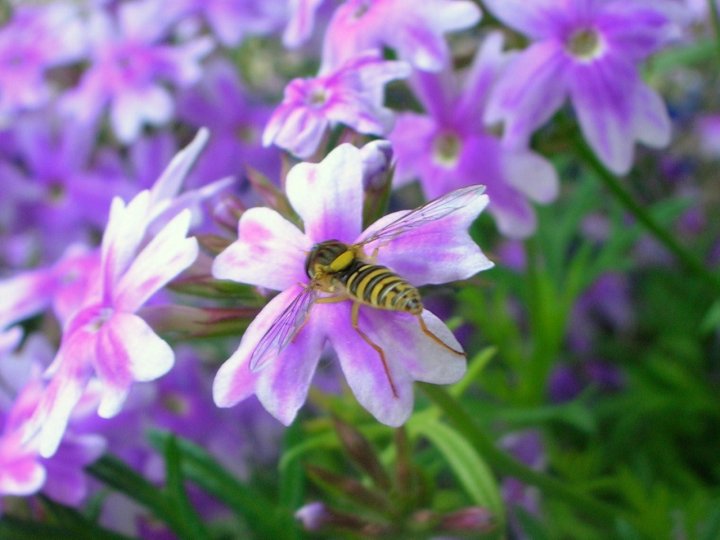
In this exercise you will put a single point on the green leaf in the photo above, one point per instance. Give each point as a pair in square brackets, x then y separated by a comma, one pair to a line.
[16, 529]
[475, 368]
[116, 474]
[469, 468]
[187, 522]
[260, 513]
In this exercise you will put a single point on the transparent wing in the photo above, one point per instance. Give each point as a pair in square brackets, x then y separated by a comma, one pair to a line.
[427, 213]
[283, 329]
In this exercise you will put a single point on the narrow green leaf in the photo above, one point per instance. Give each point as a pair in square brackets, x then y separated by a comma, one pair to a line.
[469, 468]
[198, 466]
[475, 367]
[15, 529]
[186, 522]
[116, 474]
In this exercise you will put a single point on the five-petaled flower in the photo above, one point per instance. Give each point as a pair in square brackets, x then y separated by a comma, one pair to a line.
[271, 252]
[352, 95]
[587, 50]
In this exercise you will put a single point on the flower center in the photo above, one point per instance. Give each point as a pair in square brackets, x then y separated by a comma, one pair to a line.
[446, 149]
[585, 44]
[176, 404]
[99, 320]
[318, 97]
[56, 191]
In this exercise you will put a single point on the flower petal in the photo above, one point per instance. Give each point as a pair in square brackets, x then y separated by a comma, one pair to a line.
[269, 252]
[534, 18]
[603, 94]
[387, 395]
[652, 122]
[439, 250]
[128, 350]
[328, 195]
[531, 174]
[529, 91]
[282, 385]
[168, 254]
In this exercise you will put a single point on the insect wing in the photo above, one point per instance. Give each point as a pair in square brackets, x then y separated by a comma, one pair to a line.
[283, 329]
[427, 213]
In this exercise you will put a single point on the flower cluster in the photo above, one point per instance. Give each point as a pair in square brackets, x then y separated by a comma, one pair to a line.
[156, 212]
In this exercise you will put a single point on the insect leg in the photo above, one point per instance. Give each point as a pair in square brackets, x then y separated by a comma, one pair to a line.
[436, 339]
[380, 351]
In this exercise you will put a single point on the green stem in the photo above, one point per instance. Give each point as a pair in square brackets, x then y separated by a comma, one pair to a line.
[715, 18]
[688, 260]
[509, 466]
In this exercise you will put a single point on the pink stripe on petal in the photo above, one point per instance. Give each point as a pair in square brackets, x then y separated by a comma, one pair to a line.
[364, 370]
[148, 356]
[269, 252]
[234, 381]
[168, 254]
[283, 385]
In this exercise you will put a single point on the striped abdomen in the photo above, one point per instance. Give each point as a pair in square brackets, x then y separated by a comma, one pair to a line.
[377, 286]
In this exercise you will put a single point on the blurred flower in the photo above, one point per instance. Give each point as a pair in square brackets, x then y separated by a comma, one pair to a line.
[528, 448]
[351, 95]
[129, 67]
[588, 51]
[36, 39]
[56, 195]
[414, 29]
[22, 470]
[236, 121]
[271, 252]
[450, 147]
[104, 336]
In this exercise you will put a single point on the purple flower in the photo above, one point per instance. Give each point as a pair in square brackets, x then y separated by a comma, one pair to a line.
[450, 147]
[414, 29]
[35, 40]
[587, 50]
[351, 95]
[232, 20]
[130, 65]
[271, 253]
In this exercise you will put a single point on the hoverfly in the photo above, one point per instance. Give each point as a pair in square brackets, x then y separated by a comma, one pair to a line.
[344, 272]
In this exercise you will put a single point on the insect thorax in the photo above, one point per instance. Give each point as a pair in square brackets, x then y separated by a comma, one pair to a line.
[327, 258]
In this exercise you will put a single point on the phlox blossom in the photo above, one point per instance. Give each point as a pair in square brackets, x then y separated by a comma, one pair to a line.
[587, 50]
[130, 66]
[352, 95]
[271, 252]
[103, 336]
[450, 147]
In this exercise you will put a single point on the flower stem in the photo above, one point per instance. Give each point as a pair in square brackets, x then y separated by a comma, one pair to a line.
[688, 260]
[507, 465]
[715, 17]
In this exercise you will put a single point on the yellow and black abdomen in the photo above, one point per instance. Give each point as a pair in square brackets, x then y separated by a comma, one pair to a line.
[379, 287]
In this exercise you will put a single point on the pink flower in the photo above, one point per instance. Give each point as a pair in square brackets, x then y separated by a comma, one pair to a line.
[271, 252]
[103, 336]
[414, 29]
[352, 95]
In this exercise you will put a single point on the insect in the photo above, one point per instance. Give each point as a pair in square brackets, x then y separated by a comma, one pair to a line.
[344, 272]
